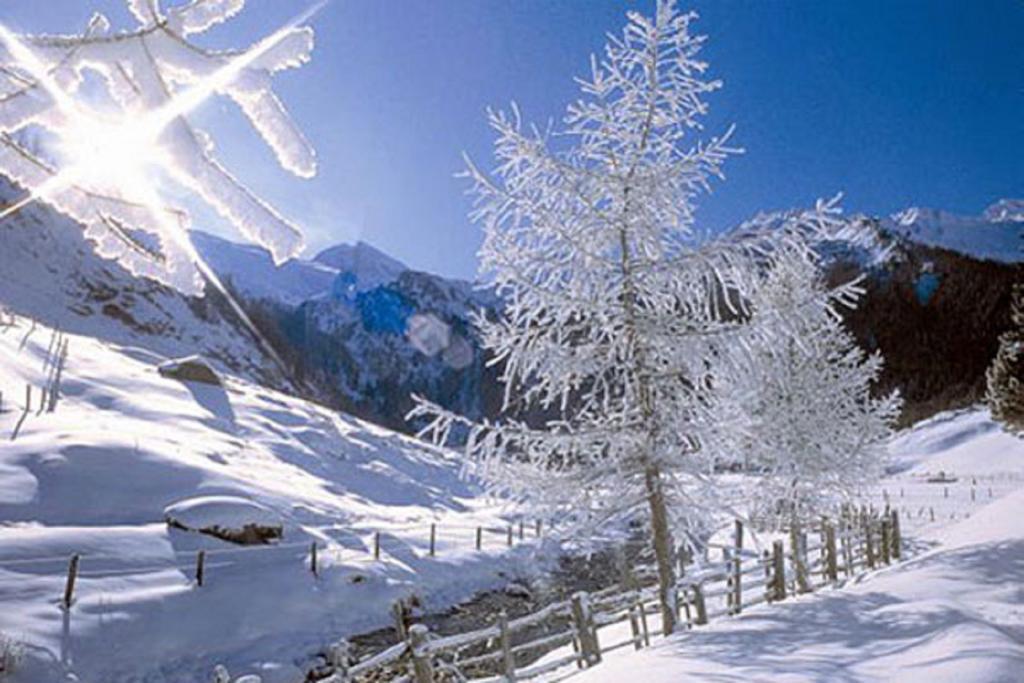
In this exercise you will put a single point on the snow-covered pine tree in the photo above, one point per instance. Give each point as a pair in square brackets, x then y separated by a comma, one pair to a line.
[1005, 377]
[154, 76]
[616, 306]
[818, 435]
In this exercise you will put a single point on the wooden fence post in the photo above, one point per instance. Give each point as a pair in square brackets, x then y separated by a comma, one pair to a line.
[831, 561]
[338, 657]
[769, 588]
[584, 623]
[522, 532]
[509, 535]
[398, 615]
[779, 570]
[507, 658]
[730, 592]
[886, 540]
[643, 622]
[699, 605]
[423, 667]
[796, 546]
[897, 538]
[540, 525]
[69, 586]
[479, 537]
[433, 538]
[312, 560]
[869, 549]
[634, 627]
[200, 567]
[376, 545]
[576, 650]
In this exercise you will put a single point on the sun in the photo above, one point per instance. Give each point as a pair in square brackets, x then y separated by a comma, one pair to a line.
[111, 154]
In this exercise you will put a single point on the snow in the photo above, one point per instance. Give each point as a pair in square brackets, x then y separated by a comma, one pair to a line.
[252, 272]
[370, 266]
[995, 235]
[127, 447]
[344, 269]
[1005, 210]
[954, 612]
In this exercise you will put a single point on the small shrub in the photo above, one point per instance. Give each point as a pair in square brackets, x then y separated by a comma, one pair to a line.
[11, 652]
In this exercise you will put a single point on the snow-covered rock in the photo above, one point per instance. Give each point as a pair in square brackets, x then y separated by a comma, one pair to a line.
[190, 369]
[226, 512]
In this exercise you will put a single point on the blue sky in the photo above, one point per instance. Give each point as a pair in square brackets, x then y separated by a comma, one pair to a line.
[895, 103]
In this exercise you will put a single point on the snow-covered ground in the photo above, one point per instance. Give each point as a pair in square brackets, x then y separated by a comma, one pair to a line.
[127, 446]
[953, 612]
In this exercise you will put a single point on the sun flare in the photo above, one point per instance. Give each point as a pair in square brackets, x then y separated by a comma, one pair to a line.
[111, 155]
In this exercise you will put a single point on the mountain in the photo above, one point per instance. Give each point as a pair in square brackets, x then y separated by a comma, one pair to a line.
[363, 332]
[252, 272]
[368, 266]
[1006, 210]
[994, 236]
[934, 311]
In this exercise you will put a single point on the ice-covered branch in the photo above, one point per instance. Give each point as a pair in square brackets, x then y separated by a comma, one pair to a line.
[156, 77]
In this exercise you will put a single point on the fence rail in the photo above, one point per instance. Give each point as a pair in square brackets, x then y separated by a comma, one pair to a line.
[514, 650]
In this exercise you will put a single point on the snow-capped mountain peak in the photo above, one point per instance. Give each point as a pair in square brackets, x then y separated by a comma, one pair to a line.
[1005, 210]
[370, 266]
[995, 235]
[253, 273]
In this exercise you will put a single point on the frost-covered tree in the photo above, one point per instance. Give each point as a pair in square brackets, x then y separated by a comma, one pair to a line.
[1005, 377]
[101, 168]
[818, 435]
[617, 307]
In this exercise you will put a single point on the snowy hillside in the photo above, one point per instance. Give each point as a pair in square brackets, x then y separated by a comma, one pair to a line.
[953, 613]
[996, 235]
[50, 273]
[127, 447]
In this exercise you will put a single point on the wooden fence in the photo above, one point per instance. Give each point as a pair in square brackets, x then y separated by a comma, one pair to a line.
[54, 363]
[512, 649]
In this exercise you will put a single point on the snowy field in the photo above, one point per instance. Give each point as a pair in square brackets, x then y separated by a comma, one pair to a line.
[953, 612]
[126, 447]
